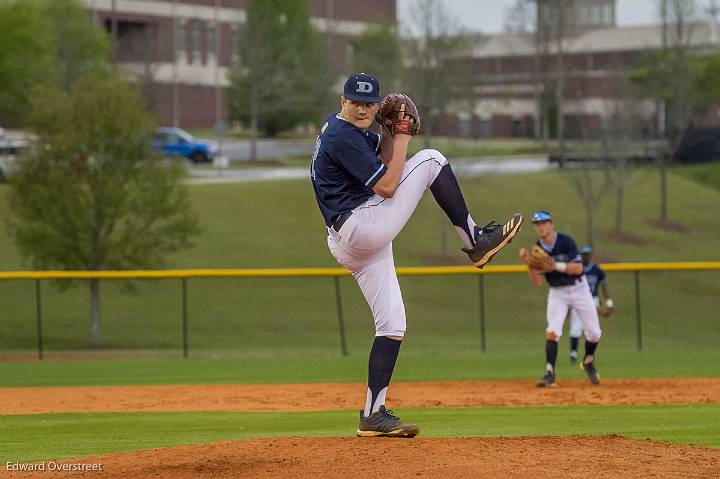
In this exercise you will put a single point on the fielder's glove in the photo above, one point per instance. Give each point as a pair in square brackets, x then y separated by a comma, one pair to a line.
[607, 309]
[540, 260]
[398, 114]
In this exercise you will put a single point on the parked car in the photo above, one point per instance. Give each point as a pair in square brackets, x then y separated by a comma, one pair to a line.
[179, 143]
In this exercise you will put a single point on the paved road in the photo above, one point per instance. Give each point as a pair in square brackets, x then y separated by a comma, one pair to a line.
[462, 167]
[239, 150]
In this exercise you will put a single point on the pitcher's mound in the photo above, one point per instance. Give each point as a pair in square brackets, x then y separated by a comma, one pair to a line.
[349, 457]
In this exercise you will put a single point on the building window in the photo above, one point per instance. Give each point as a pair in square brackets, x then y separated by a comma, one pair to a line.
[608, 14]
[596, 14]
[485, 129]
[212, 39]
[180, 35]
[463, 128]
[195, 38]
[234, 45]
[518, 129]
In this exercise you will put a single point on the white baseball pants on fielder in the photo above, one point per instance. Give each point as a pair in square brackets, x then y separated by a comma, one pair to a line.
[578, 298]
[364, 243]
[576, 327]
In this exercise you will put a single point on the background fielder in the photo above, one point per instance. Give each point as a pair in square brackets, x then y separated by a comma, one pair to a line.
[568, 289]
[597, 279]
[366, 192]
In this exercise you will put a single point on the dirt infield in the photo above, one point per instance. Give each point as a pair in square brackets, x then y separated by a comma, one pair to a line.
[306, 397]
[336, 457]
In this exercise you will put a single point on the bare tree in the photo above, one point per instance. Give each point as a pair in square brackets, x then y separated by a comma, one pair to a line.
[556, 25]
[520, 17]
[591, 179]
[678, 19]
[625, 126]
[438, 43]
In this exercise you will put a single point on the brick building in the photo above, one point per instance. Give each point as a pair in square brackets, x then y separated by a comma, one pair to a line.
[181, 50]
[511, 94]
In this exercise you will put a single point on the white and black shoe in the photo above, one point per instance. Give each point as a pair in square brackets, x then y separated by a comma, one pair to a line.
[491, 238]
[547, 381]
[589, 368]
[383, 423]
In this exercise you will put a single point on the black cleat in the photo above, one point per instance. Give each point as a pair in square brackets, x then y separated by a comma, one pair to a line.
[492, 238]
[383, 424]
[548, 381]
[590, 370]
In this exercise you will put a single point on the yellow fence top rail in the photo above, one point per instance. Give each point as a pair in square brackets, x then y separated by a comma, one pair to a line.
[320, 272]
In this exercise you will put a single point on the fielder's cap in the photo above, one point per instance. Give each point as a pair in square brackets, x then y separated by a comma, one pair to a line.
[542, 215]
[362, 87]
[586, 250]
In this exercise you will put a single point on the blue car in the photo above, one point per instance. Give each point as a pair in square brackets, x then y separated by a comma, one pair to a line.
[175, 142]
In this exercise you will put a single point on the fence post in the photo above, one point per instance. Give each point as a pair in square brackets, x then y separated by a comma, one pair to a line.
[481, 301]
[341, 323]
[38, 312]
[185, 319]
[638, 320]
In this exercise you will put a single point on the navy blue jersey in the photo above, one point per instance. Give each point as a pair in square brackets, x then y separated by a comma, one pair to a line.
[564, 250]
[595, 276]
[345, 167]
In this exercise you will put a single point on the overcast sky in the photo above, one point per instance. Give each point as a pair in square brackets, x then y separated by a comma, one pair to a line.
[487, 16]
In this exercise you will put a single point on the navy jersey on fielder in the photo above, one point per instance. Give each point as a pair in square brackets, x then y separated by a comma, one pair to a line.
[345, 167]
[564, 250]
[595, 276]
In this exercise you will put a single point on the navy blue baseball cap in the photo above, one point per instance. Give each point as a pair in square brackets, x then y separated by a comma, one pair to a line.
[362, 87]
[541, 215]
[586, 250]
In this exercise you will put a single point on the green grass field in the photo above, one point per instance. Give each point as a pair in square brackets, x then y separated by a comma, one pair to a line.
[285, 330]
[38, 437]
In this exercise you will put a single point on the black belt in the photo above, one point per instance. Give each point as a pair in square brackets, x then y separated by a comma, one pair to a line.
[340, 221]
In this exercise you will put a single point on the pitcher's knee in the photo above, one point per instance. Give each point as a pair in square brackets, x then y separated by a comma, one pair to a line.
[434, 154]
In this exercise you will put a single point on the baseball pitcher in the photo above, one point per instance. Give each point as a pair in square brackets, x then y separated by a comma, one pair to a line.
[366, 191]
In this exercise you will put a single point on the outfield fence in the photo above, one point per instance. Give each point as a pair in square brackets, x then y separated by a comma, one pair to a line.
[334, 273]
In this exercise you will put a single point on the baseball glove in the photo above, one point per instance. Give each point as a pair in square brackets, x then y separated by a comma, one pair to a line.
[605, 311]
[540, 260]
[398, 114]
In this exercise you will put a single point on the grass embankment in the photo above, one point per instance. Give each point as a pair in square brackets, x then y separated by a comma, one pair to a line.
[277, 225]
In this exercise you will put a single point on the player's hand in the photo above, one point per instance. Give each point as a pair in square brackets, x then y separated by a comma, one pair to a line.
[523, 254]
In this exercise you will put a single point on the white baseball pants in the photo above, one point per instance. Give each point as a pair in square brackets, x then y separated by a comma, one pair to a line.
[364, 243]
[578, 298]
[576, 327]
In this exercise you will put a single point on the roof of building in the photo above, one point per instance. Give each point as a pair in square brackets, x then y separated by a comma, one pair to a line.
[625, 38]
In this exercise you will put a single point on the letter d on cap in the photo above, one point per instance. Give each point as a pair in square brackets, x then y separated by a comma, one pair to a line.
[364, 87]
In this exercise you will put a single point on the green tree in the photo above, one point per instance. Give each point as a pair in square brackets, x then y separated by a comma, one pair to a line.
[377, 51]
[77, 46]
[92, 195]
[281, 80]
[25, 58]
[44, 43]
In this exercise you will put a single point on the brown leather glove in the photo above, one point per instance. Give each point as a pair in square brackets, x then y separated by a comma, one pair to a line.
[540, 260]
[398, 114]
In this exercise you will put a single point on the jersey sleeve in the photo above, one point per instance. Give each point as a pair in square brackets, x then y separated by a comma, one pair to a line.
[354, 154]
[602, 277]
[572, 250]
